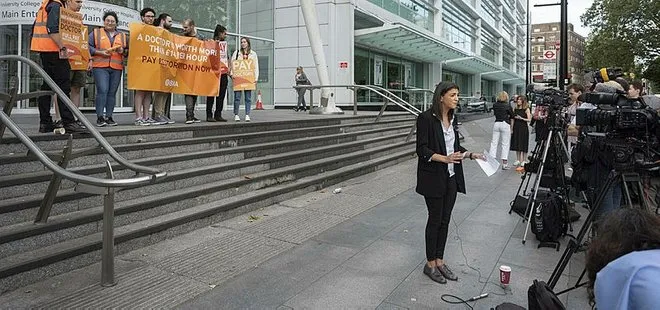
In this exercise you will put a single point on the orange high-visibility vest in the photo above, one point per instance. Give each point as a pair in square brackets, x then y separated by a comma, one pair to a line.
[41, 41]
[102, 42]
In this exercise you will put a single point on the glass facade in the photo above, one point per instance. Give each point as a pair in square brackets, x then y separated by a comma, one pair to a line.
[489, 46]
[416, 12]
[457, 27]
[253, 18]
[463, 81]
[391, 72]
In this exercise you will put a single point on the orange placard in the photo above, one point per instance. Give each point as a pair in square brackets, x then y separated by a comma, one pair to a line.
[161, 61]
[74, 37]
[243, 74]
[224, 67]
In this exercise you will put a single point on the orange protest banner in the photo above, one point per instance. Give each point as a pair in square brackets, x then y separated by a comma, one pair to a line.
[224, 67]
[161, 61]
[74, 37]
[243, 74]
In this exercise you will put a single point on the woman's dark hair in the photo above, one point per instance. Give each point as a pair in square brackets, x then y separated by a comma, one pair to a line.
[621, 232]
[144, 11]
[111, 13]
[218, 30]
[440, 91]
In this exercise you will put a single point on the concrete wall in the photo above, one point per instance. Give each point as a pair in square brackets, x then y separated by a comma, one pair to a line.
[292, 48]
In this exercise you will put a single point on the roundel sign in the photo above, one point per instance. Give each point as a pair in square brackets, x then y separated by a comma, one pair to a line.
[549, 55]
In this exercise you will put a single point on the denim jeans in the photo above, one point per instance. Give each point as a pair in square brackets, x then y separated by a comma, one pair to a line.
[237, 101]
[107, 82]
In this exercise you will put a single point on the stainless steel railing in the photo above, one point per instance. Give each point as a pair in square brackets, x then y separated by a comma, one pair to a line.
[88, 184]
[384, 93]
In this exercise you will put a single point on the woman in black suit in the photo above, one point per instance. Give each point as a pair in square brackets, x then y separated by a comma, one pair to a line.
[440, 174]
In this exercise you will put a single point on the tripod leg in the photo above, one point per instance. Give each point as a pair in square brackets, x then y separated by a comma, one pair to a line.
[537, 183]
[563, 145]
[573, 244]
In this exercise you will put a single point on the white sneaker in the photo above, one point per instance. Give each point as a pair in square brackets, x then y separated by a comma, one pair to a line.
[516, 163]
[247, 118]
[237, 118]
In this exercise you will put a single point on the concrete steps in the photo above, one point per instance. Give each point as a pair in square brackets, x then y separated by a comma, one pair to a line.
[202, 187]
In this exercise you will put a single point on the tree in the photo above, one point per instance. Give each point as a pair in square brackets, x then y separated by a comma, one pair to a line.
[636, 22]
[624, 34]
[652, 72]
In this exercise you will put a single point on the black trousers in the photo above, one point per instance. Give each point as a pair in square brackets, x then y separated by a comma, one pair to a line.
[437, 226]
[59, 70]
[219, 100]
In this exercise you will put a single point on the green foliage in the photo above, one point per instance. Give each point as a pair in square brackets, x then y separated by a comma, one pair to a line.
[623, 33]
[652, 72]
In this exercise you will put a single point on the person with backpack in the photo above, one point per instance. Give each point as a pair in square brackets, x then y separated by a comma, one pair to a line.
[440, 174]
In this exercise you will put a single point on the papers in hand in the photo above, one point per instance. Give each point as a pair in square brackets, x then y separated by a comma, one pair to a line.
[490, 165]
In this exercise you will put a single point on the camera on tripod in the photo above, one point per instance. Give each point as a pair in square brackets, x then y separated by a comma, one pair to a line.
[553, 98]
[630, 127]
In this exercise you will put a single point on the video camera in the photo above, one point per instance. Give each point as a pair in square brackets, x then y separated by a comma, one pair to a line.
[549, 97]
[631, 129]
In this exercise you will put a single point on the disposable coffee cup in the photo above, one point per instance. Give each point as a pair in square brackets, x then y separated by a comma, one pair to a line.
[505, 276]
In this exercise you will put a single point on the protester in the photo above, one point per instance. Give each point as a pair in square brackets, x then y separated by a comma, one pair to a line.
[107, 46]
[189, 30]
[220, 35]
[47, 41]
[440, 174]
[245, 52]
[520, 132]
[143, 97]
[78, 76]
[623, 261]
[301, 79]
[164, 21]
[502, 128]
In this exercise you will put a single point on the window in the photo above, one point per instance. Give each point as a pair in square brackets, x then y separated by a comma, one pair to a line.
[554, 28]
[537, 30]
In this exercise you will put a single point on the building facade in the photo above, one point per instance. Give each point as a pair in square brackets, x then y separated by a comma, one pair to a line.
[545, 42]
[395, 44]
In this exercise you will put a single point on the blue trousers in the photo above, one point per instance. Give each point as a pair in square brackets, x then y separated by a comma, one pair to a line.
[248, 101]
[107, 82]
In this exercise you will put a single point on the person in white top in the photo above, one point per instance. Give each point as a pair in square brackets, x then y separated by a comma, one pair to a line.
[245, 52]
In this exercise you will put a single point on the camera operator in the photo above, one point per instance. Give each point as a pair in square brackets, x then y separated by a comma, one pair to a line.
[595, 161]
[623, 261]
[574, 92]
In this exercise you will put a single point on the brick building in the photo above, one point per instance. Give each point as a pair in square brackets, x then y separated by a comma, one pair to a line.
[545, 41]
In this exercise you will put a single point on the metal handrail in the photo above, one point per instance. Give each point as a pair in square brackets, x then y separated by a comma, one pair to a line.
[413, 111]
[99, 138]
[104, 187]
[397, 97]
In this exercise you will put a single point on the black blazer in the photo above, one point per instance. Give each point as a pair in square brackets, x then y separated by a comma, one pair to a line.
[432, 176]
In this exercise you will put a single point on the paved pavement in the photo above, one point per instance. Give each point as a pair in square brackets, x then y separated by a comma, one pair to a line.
[360, 248]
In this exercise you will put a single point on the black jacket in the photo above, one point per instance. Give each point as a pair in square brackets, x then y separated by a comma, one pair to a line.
[503, 112]
[431, 176]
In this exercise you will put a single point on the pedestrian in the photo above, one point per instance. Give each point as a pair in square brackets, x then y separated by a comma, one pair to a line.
[47, 42]
[164, 21]
[502, 128]
[220, 35]
[245, 52]
[440, 174]
[143, 97]
[107, 46]
[520, 131]
[301, 79]
[189, 30]
[78, 75]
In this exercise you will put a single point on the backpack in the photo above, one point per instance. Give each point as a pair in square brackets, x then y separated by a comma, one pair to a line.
[541, 297]
[548, 223]
[508, 306]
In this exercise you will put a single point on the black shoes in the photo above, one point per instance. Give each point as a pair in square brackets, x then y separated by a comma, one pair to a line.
[100, 121]
[210, 119]
[74, 128]
[446, 272]
[110, 122]
[434, 274]
[48, 128]
[220, 119]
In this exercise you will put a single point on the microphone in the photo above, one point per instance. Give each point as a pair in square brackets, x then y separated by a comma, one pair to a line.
[484, 295]
[611, 87]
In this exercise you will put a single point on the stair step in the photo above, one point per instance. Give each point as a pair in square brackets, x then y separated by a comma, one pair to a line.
[25, 236]
[63, 202]
[28, 267]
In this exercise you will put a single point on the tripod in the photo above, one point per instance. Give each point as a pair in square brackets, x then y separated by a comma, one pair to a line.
[518, 199]
[627, 179]
[555, 140]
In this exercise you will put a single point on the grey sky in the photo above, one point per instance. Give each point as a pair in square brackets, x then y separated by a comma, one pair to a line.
[551, 14]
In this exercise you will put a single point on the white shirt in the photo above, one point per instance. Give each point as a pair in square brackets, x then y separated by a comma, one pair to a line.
[450, 138]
